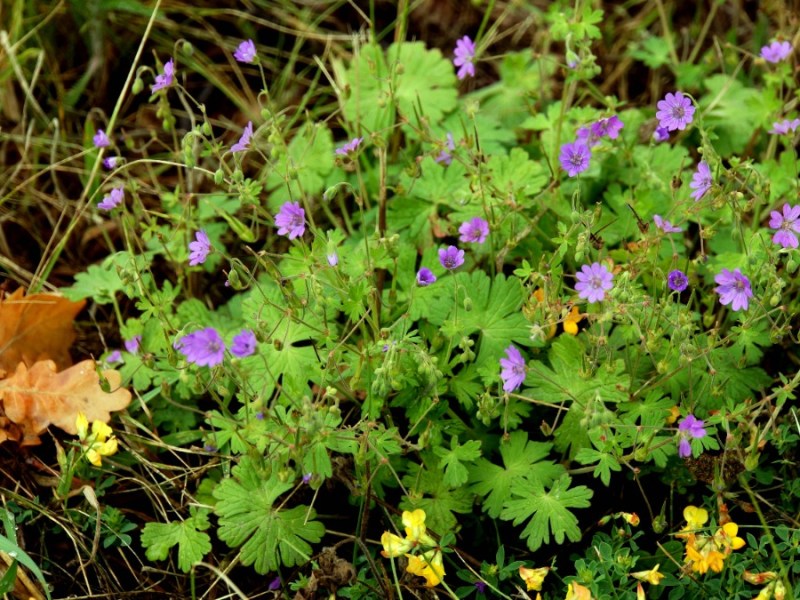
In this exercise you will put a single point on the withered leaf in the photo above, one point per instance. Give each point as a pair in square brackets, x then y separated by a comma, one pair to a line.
[36, 327]
[40, 396]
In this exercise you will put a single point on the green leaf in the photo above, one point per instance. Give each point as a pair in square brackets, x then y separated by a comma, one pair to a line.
[733, 111]
[101, 282]
[516, 177]
[548, 511]
[653, 52]
[428, 491]
[9, 546]
[193, 544]
[302, 169]
[452, 461]
[606, 463]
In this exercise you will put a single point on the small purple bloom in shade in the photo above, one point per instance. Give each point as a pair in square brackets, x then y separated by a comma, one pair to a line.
[425, 277]
[787, 225]
[204, 348]
[333, 259]
[132, 345]
[114, 357]
[349, 147]
[199, 249]
[609, 126]
[480, 586]
[444, 156]
[661, 134]
[785, 127]
[587, 137]
[677, 281]
[275, 584]
[451, 258]
[101, 140]
[593, 282]
[689, 427]
[165, 79]
[701, 181]
[245, 52]
[112, 200]
[210, 448]
[665, 225]
[512, 369]
[464, 55]
[475, 231]
[575, 158]
[291, 220]
[307, 478]
[675, 111]
[244, 142]
[244, 344]
[734, 289]
[776, 51]
[109, 162]
[260, 415]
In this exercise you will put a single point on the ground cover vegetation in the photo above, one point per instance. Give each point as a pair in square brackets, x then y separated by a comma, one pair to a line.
[415, 299]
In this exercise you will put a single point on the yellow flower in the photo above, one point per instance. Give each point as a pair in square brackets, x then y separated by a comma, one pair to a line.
[630, 518]
[640, 592]
[726, 537]
[394, 545]
[759, 578]
[571, 321]
[428, 565]
[674, 413]
[100, 442]
[576, 591]
[539, 295]
[695, 519]
[653, 577]
[533, 578]
[416, 533]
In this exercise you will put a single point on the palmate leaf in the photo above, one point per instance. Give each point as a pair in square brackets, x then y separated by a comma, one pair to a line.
[188, 535]
[303, 168]
[452, 460]
[548, 510]
[269, 536]
[428, 491]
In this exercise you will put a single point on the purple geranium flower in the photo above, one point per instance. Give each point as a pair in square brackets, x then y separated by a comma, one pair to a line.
[609, 126]
[114, 357]
[776, 51]
[245, 52]
[112, 200]
[204, 348]
[244, 344]
[675, 111]
[244, 142]
[464, 55]
[349, 147]
[587, 137]
[689, 427]
[593, 282]
[101, 140]
[444, 156]
[275, 584]
[512, 369]
[199, 249]
[785, 127]
[109, 162]
[291, 220]
[734, 289]
[701, 181]
[165, 79]
[132, 345]
[425, 277]
[665, 225]
[475, 231]
[451, 258]
[661, 134]
[787, 225]
[333, 259]
[677, 281]
[575, 158]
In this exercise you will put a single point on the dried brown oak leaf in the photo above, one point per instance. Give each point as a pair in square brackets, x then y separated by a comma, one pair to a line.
[40, 396]
[36, 327]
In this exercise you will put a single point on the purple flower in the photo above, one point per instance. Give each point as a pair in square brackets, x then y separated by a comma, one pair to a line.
[109, 162]
[245, 52]
[609, 126]
[675, 111]
[425, 277]
[665, 225]
[464, 55]
[689, 427]
[349, 147]
[785, 126]
[244, 142]
[199, 249]
[575, 158]
[475, 230]
[132, 345]
[480, 586]
[112, 200]
[291, 220]
[307, 478]
[451, 258]
[677, 281]
[114, 357]
[210, 447]
[787, 225]
[734, 289]
[203, 348]
[701, 181]
[587, 137]
[444, 156]
[333, 259]
[776, 51]
[275, 584]
[593, 282]
[661, 134]
[243, 344]
[101, 140]
[165, 79]
[512, 369]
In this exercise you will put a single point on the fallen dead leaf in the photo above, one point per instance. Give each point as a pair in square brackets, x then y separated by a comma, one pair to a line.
[36, 327]
[40, 396]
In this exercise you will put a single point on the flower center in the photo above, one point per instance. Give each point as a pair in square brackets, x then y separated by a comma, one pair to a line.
[678, 112]
[739, 285]
[596, 282]
[576, 160]
[213, 347]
